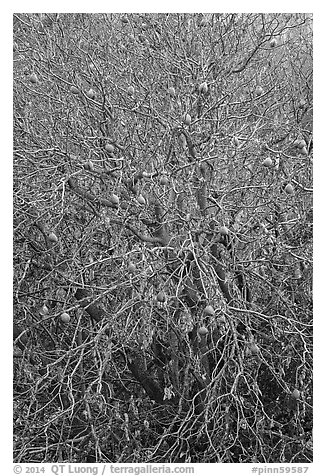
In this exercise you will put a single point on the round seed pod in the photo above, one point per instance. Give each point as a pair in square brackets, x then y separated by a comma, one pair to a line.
[161, 297]
[203, 331]
[203, 88]
[209, 311]
[289, 189]
[53, 237]
[268, 162]
[65, 318]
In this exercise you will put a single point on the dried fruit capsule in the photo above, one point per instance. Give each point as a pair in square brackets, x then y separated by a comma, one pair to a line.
[296, 394]
[268, 162]
[301, 143]
[259, 90]
[89, 166]
[203, 331]
[91, 93]
[289, 189]
[53, 237]
[109, 148]
[224, 230]
[203, 88]
[33, 78]
[187, 119]
[161, 297]
[114, 199]
[164, 180]
[141, 200]
[209, 311]
[65, 318]
[131, 267]
[44, 310]
[254, 349]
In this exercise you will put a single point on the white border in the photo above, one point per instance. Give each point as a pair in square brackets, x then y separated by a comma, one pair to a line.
[319, 195]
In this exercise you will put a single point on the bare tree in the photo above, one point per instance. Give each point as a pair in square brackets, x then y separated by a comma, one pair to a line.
[163, 237]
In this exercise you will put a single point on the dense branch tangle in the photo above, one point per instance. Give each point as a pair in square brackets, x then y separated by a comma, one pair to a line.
[158, 216]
